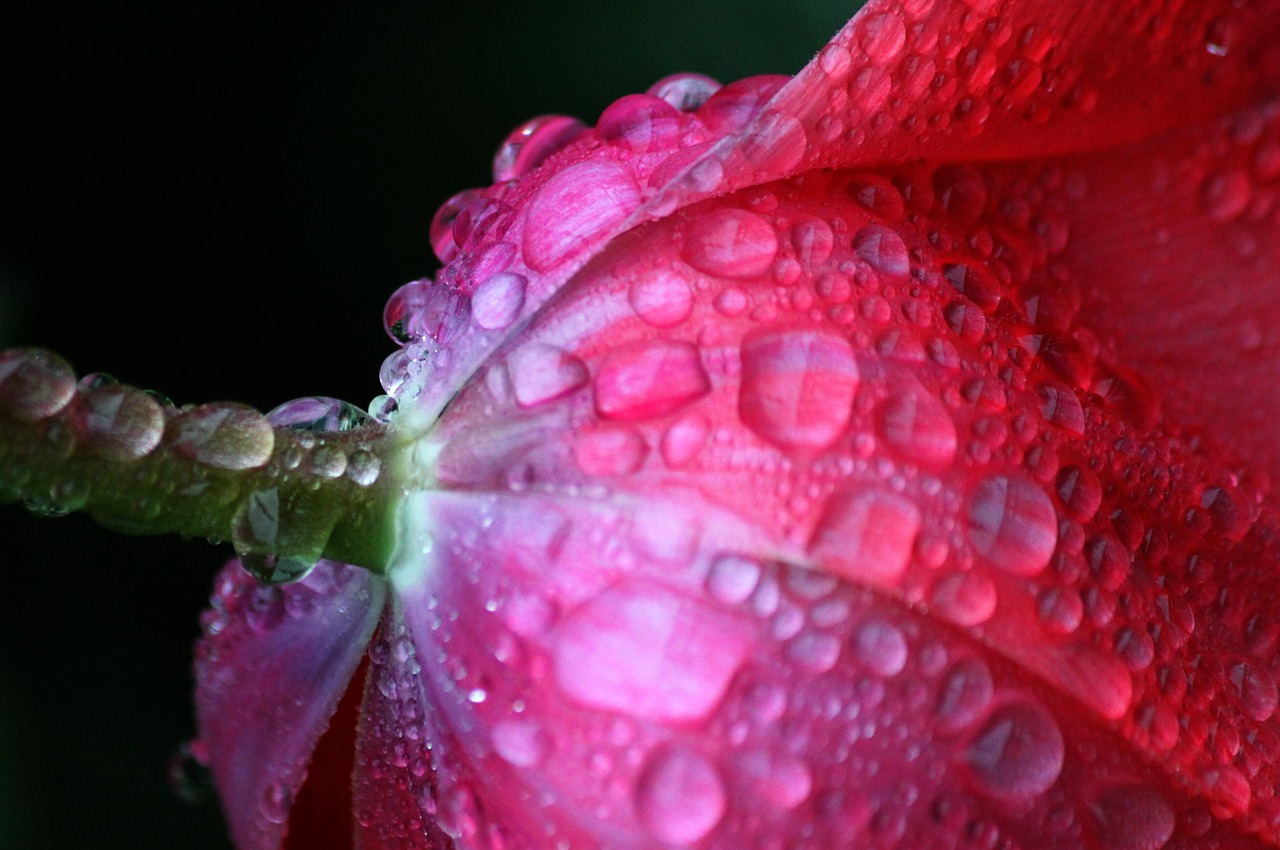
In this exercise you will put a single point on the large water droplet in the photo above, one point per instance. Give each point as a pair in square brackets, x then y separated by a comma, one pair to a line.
[883, 250]
[642, 122]
[797, 386]
[881, 36]
[866, 535]
[1012, 524]
[919, 426]
[34, 384]
[225, 435]
[497, 302]
[530, 144]
[733, 578]
[573, 207]
[731, 243]
[686, 91]
[1018, 752]
[964, 695]
[541, 373]
[118, 422]
[881, 647]
[523, 743]
[1132, 817]
[647, 378]
[679, 795]
[649, 652]
[661, 298]
[317, 414]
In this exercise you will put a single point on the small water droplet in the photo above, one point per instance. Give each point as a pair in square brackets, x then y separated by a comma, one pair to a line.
[497, 302]
[964, 694]
[541, 373]
[523, 743]
[530, 145]
[1132, 817]
[661, 298]
[686, 92]
[733, 578]
[881, 647]
[275, 803]
[34, 384]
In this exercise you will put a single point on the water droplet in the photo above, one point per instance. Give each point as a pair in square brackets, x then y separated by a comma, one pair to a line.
[497, 302]
[961, 191]
[684, 440]
[866, 535]
[661, 298]
[964, 695]
[1080, 492]
[541, 373]
[275, 803]
[686, 92]
[881, 36]
[574, 207]
[883, 250]
[731, 243]
[117, 422]
[813, 242]
[919, 426]
[1132, 817]
[648, 378]
[609, 450]
[966, 599]
[679, 795]
[649, 652]
[815, 651]
[363, 467]
[733, 578]
[523, 743]
[784, 781]
[797, 386]
[530, 144]
[975, 283]
[1018, 752]
[1226, 194]
[878, 195]
[276, 569]
[34, 384]
[224, 435]
[881, 647]
[1256, 689]
[643, 122]
[1012, 524]
[317, 414]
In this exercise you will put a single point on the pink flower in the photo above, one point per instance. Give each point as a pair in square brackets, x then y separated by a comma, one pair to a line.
[876, 458]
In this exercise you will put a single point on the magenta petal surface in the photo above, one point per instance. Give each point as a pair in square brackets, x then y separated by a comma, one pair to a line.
[270, 669]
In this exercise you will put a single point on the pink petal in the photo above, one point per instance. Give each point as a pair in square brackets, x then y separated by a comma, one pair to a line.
[272, 665]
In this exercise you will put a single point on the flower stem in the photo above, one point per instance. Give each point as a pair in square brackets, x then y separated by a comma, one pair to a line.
[219, 471]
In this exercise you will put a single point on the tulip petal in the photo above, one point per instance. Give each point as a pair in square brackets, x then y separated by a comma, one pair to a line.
[999, 79]
[270, 671]
[1169, 250]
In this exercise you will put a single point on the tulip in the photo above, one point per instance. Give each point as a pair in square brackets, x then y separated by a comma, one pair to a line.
[875, 458]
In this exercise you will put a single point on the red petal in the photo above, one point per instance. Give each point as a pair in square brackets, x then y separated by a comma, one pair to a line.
[1168, 248]
[270, 671]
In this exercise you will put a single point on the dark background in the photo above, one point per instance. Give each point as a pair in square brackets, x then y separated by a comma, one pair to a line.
[214, 200]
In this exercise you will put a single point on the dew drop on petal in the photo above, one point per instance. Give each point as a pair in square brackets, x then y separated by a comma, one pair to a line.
[1018, 751]
[686, 92]
[523, 743]
[732, 578]
[649, 652]
[881, 647]
[34, 384]
[648, 378]
[883, 250]
[679, 795]
[661, 298]
[118, 422]
[497, 302]
[275, 803]
[1012, 524]
[1226, 194]
[881, 36]
[530, 144]
[797, 386]
[575, 205]
[682, 442]
[965, 694]
[541, 373]
[731, 243]
[1132, 817]
[866, 535]
[919, 427]
[645, 123]
[609, 451]
[965, 598]
[318, 414]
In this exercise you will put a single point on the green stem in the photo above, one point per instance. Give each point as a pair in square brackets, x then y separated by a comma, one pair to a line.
[219, 471]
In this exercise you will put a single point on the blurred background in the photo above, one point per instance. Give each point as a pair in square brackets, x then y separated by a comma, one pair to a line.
[214, 200]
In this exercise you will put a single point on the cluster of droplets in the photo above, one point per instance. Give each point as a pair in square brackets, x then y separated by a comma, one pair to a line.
[899, 357]
[137, 461]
